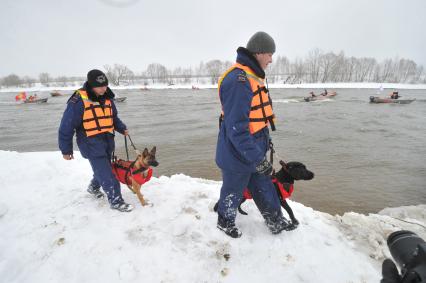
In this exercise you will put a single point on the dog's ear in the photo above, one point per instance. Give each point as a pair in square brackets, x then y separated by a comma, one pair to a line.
[153, 150]
[145, 152]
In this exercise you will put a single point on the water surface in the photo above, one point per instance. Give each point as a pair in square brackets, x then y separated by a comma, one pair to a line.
[365, 156]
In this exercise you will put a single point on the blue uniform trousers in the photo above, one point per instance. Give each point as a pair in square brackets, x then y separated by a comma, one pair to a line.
[261, 188]
[103, 177]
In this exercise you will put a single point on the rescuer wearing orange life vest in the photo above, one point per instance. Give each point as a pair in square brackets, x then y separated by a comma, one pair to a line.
[243, 138]
[92, 115]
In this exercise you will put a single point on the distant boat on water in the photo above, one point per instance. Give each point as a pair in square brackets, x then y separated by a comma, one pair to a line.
[35, 100]
[56, 93]
[320, 96]
[376, 99]
[120, 99]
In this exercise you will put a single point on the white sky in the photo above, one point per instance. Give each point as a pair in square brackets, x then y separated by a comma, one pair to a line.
[69, 37]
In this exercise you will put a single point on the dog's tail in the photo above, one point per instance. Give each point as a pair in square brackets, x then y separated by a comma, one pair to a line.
[240, 210]
[215, 206]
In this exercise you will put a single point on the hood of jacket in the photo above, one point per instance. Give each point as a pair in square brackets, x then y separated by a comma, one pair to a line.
[246, 58]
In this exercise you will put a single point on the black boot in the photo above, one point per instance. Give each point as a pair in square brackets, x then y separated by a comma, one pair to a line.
[277, 224]
[95, 191]
[228, 227]
[122, 206]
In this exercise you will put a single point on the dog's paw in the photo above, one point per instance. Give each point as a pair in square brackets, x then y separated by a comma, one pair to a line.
[148, 203]
[295, 222]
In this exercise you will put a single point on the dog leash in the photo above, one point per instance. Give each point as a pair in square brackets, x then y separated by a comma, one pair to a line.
[282, 162]
[271, 158]
[127, 149]
[271, 155]
[132, 144]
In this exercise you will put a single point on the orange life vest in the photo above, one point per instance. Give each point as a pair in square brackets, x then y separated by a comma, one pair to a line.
[261, 113]
[97, 119]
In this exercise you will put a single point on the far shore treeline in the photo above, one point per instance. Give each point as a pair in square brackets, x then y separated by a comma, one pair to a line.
[316, 67]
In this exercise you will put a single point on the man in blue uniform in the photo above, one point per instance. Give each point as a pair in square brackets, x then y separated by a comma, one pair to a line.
[243, 138]
[92, 115]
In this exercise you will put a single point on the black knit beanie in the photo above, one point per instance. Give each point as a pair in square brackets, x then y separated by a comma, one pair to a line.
[96, 78]
[261, 42]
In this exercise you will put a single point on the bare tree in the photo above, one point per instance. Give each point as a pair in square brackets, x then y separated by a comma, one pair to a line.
[298, 69]
[62, 80]
[11, 80]
[317, 66]
[44, 78]
[28, 81]
[187, 75]
[214, 70]
[157, 71]
[118, 74]
[326, 64]
[313, 65]
[386, 71]
[417, 75]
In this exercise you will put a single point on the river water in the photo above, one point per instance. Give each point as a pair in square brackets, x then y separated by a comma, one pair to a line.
[365, 156]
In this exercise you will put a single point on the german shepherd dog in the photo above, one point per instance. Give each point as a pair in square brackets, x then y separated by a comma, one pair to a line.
[283, 181]
[135, 174]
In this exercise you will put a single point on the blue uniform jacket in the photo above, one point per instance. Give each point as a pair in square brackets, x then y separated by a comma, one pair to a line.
[237, 150]
[101, 145]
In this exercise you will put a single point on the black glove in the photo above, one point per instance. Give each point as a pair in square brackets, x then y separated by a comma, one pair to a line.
[264, 167]
[390, 272]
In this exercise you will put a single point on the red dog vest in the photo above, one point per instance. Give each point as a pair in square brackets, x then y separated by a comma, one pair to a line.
[123, 169]
[285, 189]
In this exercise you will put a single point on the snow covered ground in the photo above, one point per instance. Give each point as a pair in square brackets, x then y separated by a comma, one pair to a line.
[38, 87]
[52, 230]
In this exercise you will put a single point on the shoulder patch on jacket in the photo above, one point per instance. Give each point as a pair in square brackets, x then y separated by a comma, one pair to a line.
[74, 98]
[242, 77]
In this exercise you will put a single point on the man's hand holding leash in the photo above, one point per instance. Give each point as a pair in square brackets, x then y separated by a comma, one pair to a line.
[264, 167]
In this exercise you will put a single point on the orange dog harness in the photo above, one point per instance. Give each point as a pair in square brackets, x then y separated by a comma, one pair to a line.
[285, 189]
[124, 169]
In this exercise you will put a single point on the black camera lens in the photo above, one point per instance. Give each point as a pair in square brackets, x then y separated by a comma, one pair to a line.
[402, 245]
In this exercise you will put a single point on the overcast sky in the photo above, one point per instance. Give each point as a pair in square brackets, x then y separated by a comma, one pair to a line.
[69, 37]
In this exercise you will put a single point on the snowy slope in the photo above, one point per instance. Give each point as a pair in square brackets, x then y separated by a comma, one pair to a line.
[52, 230]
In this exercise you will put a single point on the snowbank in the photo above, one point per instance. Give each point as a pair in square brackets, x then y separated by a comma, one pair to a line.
[52, 230]
[39, 87]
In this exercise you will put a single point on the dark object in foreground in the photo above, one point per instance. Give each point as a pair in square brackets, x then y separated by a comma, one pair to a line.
[409, 252]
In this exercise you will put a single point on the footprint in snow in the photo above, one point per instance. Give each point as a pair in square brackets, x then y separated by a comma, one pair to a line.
[3, 209]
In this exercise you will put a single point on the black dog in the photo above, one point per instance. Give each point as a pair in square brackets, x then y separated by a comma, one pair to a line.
[283, 181]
